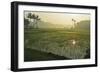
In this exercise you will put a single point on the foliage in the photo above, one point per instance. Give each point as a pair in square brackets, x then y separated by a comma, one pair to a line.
[33, 20]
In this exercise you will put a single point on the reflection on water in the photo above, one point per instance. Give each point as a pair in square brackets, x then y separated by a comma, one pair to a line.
[73, 42]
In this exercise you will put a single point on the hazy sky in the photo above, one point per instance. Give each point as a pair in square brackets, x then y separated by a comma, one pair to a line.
[60, 18]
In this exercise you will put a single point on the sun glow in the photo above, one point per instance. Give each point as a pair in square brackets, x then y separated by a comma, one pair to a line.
[62, 19]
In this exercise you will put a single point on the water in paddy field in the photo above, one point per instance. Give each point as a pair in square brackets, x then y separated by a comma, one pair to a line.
[74, 45]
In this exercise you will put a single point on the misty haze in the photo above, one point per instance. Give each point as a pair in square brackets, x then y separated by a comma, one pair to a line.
[56, 36]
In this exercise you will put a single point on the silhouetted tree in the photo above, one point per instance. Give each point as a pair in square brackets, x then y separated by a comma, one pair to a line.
[34, 18]
[74, 22]
[30, 17]
[37, 20]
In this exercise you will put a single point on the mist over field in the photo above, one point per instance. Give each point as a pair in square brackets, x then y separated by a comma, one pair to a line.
[56, 36]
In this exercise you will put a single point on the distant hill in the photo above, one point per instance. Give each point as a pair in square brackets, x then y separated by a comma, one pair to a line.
[83, 25]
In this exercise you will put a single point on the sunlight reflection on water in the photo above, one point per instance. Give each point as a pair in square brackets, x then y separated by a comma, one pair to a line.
[73, 42]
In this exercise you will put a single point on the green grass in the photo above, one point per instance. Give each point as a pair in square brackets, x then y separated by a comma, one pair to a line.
[35, 55]
[57, 42]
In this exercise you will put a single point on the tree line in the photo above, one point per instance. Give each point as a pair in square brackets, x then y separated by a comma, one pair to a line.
[31, 20]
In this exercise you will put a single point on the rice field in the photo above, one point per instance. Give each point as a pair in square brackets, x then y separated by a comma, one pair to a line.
[60, 42]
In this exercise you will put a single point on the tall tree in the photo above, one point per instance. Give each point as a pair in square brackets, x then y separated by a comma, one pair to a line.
[30, 17]
[37, 20]
[33, 17]
[74, 22]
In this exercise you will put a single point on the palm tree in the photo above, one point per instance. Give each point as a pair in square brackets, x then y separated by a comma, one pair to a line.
[74, 22]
